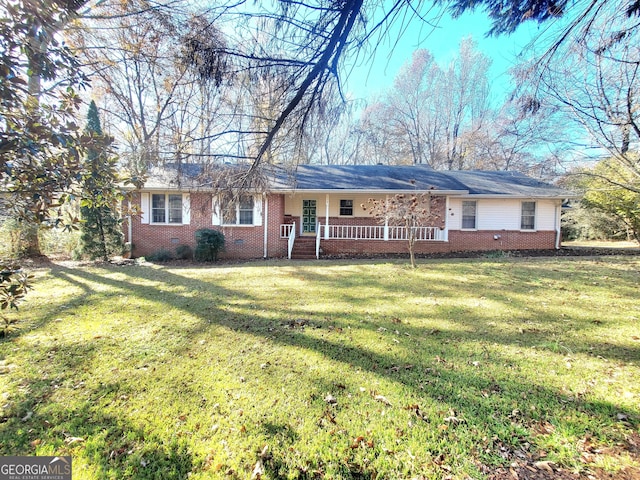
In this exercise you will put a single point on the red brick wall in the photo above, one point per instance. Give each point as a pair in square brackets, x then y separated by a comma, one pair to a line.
[277, 246]
[458, 241]
[248, 242]
[507, 240]
[240, 242]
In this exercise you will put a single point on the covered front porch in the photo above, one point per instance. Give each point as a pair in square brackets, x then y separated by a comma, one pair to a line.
[340, 223]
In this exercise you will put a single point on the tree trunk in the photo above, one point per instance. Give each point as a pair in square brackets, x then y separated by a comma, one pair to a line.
[103, 241]
[29, 241]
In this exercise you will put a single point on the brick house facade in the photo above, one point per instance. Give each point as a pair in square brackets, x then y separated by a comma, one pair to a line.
[325, 207]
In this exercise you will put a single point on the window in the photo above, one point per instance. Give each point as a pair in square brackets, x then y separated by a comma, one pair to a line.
[166, 208]
[528, 217]
[469, 214]
[243, 211]
[346, 208]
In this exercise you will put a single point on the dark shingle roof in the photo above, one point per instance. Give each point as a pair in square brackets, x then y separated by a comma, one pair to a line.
[363, 178]
[505, 183]
[367, 178]
[414, 177]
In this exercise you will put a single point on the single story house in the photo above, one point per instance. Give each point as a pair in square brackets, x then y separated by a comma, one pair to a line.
[321, 210]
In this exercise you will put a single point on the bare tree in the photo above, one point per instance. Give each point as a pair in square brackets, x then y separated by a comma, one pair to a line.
[429, 112]
[596, 83]
[157, 70]
[410, 211]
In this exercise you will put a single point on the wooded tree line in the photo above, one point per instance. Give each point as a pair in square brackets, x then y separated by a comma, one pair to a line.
[261, 82]
[176, 86]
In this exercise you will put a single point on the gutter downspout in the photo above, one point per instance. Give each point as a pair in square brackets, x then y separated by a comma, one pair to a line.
[556, 222]
[265, 223]
[130, 230]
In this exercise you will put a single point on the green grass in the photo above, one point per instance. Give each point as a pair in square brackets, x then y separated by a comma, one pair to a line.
[448, 370]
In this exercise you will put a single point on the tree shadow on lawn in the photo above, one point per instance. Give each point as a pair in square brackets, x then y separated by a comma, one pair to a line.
[487, 407]
[112, 446]
[535, 322]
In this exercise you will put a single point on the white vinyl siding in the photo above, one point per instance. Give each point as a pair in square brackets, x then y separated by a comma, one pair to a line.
[503, 214]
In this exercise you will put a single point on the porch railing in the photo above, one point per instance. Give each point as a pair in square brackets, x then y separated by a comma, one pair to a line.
[378, 232]
[292, 237]
[286, 229]
[353, 232]
[421, 233]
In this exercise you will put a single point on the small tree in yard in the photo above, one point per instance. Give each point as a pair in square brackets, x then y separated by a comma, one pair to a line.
[101, 232]
[407, 210]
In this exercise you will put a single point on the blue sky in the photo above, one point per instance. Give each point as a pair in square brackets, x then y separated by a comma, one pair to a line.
[443, 42]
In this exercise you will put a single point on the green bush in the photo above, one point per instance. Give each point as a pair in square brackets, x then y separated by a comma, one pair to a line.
[184, 252]
[161, 255]
[14, 284]
[209, 243]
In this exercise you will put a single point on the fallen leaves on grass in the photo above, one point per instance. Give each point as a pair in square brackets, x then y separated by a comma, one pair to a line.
[258, 469]
[361, 441]
[330, 399]
[382, 399]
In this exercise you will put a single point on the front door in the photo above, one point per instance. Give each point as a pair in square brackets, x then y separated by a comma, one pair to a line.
[308, 216]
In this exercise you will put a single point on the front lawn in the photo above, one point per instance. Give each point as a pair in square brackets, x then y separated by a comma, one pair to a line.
[458, 369]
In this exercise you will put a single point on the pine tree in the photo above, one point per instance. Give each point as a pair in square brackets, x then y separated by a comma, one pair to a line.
[101, 234]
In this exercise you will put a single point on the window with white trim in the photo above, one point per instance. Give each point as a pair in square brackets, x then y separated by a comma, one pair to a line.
[166, 208]
[346, 208]
[469, 213]
[528, 216]
[244, 210]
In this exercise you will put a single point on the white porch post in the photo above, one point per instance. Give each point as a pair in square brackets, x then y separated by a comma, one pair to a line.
[386, 220]
[326, 222]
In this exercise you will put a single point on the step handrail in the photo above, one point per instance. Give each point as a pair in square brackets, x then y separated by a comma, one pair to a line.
[291, 241]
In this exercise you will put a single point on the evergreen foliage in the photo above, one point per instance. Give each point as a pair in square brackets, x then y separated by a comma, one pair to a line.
[101, 233]
[209, 244]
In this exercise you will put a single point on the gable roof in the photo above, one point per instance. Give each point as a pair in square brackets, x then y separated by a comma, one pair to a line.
[358, 178]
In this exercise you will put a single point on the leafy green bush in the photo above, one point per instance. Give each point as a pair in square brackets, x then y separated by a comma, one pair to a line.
[184, 252]
[161, 255]
[14, 284]
[209, 244]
